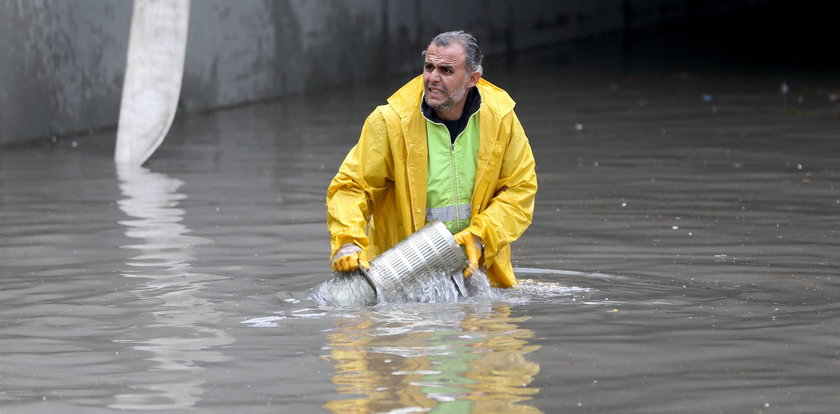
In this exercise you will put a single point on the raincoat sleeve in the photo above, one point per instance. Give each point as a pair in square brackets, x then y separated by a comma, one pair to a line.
[511, 208]
[366, 172]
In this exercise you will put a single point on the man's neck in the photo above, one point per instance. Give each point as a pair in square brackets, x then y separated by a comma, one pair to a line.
[470, 104]
[453, 113]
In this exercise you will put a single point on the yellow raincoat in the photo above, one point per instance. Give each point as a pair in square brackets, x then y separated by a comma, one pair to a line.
[378, 196]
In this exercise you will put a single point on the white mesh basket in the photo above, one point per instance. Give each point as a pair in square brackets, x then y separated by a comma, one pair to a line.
[425, 255]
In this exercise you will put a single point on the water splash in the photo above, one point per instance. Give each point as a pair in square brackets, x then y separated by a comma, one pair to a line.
[352, 289]
[344, 289]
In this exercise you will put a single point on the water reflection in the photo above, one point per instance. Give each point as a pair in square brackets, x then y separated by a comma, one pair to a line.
[446, 358]
[183, 333]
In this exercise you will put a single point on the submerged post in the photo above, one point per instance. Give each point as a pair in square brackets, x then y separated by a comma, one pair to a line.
[154, 70]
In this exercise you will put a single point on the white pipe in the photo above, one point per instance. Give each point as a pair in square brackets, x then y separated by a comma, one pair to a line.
[157, 45]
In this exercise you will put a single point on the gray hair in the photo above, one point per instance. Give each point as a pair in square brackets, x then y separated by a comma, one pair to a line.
[472, 53]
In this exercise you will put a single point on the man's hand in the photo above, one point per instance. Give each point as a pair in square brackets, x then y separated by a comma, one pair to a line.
[472, 245]
[349, 258]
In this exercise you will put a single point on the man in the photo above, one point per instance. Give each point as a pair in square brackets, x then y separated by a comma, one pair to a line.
[447, 147]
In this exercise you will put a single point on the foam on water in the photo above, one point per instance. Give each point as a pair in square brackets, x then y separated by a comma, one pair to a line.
[533, 291]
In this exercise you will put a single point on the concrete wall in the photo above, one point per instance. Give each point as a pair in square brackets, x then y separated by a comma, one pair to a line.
[61, 65]
[63, 61]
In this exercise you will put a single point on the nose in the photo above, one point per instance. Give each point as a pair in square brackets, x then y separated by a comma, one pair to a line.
[434, 75]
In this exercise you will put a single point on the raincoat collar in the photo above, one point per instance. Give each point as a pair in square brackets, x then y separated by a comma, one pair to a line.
[406, 100]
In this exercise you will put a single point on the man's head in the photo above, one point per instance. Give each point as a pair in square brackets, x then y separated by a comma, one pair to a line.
[472, 53]
[451, 65]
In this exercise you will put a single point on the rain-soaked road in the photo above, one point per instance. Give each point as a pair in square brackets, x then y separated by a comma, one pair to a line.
[683, 259]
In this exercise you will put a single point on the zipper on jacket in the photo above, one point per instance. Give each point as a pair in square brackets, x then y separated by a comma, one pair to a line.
[455, 181]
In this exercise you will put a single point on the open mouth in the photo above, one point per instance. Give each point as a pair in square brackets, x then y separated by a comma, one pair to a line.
[438, 93]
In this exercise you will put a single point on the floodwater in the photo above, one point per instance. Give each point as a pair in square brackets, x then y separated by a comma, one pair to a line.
[683, 259]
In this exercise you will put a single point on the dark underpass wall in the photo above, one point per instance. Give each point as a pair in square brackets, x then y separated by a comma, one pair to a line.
[63, 62]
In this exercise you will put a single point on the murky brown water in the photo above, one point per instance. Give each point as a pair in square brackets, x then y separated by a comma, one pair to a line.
[683, 258]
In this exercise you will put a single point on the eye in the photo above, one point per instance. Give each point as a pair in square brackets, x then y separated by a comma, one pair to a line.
[429, 67]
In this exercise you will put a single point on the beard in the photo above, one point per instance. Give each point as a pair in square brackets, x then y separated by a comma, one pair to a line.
[452, 97]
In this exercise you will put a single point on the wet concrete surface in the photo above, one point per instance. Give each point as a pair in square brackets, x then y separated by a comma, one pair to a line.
[683, 258]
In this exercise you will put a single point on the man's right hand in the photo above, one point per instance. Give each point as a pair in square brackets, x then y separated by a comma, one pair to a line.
[349, 258]
[473, 248]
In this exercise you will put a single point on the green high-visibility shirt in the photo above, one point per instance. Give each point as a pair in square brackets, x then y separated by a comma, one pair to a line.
[451, 173]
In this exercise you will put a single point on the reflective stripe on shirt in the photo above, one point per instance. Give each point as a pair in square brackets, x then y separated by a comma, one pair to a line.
[448, 213]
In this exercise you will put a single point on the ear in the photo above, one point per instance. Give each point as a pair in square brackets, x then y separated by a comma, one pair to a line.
[473, 80]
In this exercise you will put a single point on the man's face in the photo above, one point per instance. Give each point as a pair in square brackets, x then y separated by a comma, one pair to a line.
[445, 76]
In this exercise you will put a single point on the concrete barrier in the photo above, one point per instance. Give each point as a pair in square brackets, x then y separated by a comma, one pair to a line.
[63, 62]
